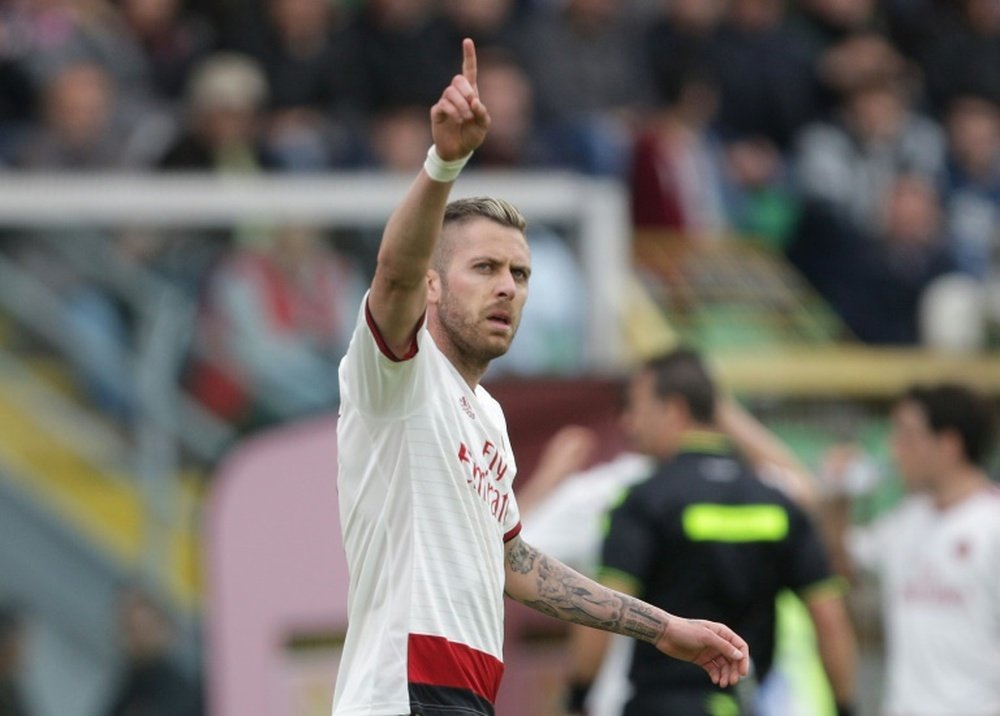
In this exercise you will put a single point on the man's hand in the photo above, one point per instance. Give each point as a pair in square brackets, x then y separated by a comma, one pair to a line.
[459, 120]
[712, 646]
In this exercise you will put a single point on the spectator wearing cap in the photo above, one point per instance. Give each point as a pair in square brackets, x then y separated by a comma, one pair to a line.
[225, 102]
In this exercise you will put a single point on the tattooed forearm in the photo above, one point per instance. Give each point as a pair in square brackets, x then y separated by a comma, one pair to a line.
[552, 588]
[520, 557]
[644, 622]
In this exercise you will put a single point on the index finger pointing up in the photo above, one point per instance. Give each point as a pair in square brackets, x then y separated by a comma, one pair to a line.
[469, 62]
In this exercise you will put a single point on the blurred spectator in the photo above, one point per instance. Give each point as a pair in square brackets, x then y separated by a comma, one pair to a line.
[403, 51]
[858, 60]
[875, 280]
[78, 129]
[966, 59]
[311, 73]
[767, 84]
[973, 183]
[12, 701]
[583, 57]
[152, 683]
[912, 24]
[847, 46]
[225, 101]
[850, 162]
[824, 23]
[53, 33]
[684, 35]
[760, 202]
[17, 98]
[399, 138]
[277, 317]
[676, 176]
[954, 314]
[167, 41]
[516, 138]
[491, 23]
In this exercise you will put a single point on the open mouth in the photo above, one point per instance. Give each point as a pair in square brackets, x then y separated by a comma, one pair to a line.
[501, 319]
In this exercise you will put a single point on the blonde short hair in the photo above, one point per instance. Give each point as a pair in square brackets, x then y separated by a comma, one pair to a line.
[484, 207]
[461, 211]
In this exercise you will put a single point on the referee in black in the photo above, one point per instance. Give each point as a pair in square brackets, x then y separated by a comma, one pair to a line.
[705, 535]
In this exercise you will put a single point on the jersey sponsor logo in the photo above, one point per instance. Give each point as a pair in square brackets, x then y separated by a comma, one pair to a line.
[928, 587]
[483, 468]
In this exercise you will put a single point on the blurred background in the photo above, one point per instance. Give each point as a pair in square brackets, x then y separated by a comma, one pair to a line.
[191, 198]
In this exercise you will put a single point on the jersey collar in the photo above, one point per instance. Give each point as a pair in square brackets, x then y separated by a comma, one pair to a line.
[704, 441]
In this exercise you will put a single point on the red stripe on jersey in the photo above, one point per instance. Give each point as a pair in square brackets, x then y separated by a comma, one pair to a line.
[383, 346]
[514, 532]
[436, 661]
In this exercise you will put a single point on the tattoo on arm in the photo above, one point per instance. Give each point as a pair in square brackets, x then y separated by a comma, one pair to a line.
[552, 588]
[521, 558]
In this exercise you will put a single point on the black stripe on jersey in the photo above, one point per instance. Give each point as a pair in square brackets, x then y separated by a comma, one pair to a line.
[427, 700]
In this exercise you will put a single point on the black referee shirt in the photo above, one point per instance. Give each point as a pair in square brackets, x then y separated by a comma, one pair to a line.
[704, 537]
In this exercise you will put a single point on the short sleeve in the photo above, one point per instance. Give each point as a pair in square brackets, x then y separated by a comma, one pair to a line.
[372, 378]
[808, 562]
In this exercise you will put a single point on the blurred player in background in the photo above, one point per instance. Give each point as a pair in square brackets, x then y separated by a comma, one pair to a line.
[431, 526]
[936, 555]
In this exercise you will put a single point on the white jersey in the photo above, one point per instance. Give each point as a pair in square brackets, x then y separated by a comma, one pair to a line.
[425, 479]
[940, 575]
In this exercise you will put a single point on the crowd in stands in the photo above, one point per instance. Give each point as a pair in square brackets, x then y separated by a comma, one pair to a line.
[861, 138]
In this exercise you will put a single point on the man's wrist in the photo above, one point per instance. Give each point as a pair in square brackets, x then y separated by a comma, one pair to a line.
[441, 170]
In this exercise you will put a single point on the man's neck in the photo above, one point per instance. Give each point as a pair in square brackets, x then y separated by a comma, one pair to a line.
[471, 373]
[958, 485]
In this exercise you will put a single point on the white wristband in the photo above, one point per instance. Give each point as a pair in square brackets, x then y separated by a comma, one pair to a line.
[440, 170]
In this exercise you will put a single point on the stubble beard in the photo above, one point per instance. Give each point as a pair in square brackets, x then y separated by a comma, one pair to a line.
[463, 333]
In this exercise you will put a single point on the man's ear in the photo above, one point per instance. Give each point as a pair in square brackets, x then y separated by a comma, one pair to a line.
[433, 286]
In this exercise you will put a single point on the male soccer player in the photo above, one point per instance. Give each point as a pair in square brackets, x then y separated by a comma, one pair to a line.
[936, 556]
[430, 522]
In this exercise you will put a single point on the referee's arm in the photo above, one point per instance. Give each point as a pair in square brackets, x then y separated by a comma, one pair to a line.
[835, 640]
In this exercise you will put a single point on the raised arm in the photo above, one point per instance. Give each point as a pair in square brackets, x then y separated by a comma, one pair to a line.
[552, 588]
[768, 454]
[836, 644]
[398, 298]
